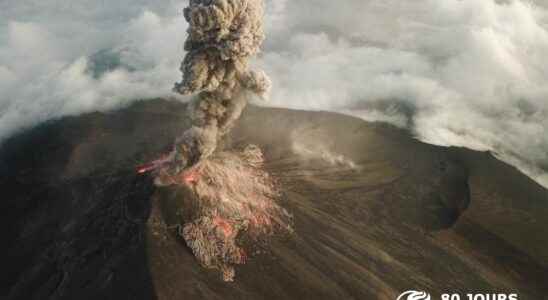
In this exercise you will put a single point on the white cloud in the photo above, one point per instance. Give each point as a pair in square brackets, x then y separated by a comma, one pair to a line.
[466, 73]
[463, 73]
[45, 54]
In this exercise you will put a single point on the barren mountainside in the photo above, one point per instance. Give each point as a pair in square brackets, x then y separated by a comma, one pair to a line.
[376, 213]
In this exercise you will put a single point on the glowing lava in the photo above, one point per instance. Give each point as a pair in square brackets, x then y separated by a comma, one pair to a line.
[224, 225]
[154, 165]
[231, 199]
[191, 176]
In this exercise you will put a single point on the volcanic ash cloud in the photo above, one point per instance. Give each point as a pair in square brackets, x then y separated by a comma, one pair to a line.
[222, 36]
[234, 198]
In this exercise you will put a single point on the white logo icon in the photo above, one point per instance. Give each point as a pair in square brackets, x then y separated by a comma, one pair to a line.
[414, 295]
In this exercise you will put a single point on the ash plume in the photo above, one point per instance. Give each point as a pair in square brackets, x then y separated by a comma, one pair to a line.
[222, 36]
[233, 197]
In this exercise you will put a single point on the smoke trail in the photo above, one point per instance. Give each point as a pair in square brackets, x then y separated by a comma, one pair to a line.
[222, 36]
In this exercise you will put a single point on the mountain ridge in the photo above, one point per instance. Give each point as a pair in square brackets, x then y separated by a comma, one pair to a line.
[377, 212]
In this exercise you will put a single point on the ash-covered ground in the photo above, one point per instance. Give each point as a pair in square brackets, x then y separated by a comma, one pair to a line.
[375, 213]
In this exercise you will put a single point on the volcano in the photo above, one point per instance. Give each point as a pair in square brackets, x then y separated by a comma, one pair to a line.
[375, 213]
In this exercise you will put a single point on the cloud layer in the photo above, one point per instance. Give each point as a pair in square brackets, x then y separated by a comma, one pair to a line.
[465, 73]
[52, 57]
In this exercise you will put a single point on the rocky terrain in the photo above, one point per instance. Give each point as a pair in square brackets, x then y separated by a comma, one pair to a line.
[376, 213]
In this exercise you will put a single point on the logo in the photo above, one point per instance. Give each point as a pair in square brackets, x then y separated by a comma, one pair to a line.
[414, 295]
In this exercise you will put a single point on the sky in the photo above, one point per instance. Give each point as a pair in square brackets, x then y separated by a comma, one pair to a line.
[453, 72]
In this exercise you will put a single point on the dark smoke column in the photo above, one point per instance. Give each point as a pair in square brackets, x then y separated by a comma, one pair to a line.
[231, 208]
[222, 36]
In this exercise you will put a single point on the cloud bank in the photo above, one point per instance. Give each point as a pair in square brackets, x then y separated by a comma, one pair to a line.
[462, 73]
[59, 58]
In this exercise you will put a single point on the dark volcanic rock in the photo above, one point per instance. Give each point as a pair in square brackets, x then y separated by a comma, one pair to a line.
[376, 213]
[75, 212]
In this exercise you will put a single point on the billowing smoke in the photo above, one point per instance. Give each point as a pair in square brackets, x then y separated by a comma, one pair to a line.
[311, 148]
[222, 36]
[233, 197]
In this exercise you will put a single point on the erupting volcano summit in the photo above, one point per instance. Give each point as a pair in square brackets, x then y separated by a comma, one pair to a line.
[232, 195]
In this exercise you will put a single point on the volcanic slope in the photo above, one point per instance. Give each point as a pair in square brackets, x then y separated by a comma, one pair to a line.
[376, 213]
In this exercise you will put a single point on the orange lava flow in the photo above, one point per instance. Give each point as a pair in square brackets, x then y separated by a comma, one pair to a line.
[224, 225]
[145, 168]
[154, 165]
[191, 176]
